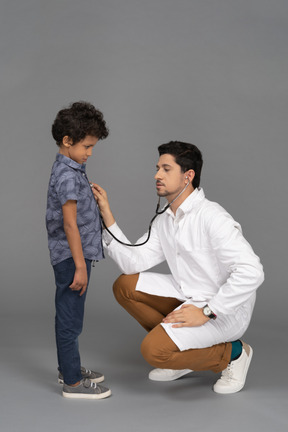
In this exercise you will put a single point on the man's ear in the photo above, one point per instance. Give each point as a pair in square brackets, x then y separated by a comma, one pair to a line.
[67, 141]
[190, 175]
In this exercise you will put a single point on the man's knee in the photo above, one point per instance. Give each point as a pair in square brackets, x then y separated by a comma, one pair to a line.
[157, 354]
[124, 286]
[148, 351]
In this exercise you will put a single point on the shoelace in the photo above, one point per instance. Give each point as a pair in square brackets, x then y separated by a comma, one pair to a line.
[91, 384]
[227, 373]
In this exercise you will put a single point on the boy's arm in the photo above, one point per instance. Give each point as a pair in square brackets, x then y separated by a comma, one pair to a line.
[73, 236]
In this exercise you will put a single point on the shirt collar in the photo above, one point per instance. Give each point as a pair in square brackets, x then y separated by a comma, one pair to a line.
[70, 162]
[190, 202]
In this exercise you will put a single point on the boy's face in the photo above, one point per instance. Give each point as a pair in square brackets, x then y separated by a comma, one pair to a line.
[80, 151]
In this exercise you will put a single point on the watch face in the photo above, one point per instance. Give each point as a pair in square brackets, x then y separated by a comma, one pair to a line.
[207, 311]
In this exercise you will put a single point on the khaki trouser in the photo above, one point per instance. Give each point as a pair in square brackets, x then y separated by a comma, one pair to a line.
[157, 348]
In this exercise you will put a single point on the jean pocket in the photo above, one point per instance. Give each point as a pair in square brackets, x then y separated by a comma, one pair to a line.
[64, 266]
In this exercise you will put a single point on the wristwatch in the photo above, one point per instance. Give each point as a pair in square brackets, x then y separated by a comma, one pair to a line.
[208, 312]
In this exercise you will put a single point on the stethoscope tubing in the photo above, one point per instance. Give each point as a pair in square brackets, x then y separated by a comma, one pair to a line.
[157, 213]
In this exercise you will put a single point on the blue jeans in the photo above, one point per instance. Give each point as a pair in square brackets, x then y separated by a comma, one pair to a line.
[69, 320]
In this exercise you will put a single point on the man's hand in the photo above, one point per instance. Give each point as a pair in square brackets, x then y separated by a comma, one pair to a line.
[80, 281]
[187, 316]
[103, 204]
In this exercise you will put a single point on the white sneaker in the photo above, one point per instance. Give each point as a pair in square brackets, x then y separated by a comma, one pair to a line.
[167, 374]
[233, 377]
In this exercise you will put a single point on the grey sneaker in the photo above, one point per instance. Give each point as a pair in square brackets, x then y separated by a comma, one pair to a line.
[86, 390]
[95, 377]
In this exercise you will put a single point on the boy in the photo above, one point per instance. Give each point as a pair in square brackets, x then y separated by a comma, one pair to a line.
[74, 239]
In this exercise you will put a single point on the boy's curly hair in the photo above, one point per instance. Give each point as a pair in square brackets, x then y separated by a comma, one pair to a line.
[77, 121]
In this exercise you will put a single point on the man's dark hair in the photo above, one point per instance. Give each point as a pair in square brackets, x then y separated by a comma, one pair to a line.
[188, 156]
[77, 121]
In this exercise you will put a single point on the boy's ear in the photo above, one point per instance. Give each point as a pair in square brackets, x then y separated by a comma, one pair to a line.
[67, 141]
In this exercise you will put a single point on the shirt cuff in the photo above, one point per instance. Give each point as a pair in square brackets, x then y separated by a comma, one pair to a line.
[70, 197]
[115, 230]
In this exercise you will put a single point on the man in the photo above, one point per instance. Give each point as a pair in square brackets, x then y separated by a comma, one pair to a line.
[196, 315]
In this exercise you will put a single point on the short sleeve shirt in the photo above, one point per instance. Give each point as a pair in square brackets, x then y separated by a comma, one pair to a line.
[69, 181]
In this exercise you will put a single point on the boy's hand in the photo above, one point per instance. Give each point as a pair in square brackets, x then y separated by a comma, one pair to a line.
[80, 281]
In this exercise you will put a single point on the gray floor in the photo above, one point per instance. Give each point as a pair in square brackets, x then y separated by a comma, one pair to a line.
[211, 72]
[30, 398]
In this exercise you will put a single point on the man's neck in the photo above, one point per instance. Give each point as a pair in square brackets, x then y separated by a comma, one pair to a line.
[181, 199]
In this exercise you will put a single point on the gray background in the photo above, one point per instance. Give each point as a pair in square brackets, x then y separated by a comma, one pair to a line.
[210, 72]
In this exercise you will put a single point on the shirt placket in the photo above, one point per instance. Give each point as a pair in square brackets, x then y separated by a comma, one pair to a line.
[178, 258]
[179, 255]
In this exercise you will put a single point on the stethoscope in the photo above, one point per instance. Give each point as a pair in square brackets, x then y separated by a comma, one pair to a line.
[157, 213]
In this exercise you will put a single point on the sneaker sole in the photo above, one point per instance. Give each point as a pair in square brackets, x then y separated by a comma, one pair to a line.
[95, 380]
[175, 377]
[226, 391]
[86, 395]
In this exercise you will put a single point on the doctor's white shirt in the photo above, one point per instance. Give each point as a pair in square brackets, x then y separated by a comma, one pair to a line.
[209, 259]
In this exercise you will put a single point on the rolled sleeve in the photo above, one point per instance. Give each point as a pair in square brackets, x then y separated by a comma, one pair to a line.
[67, 188]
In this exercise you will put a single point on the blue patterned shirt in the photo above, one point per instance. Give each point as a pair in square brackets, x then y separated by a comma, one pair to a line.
[69, 181]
